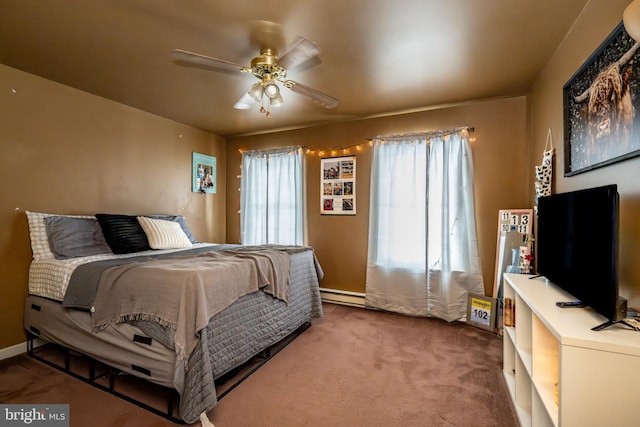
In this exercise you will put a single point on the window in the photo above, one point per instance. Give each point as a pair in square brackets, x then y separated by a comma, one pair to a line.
[423, 253]
[271, 201]
[398, 205]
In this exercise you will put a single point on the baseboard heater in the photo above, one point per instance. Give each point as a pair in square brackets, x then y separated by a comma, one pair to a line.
[336, 296]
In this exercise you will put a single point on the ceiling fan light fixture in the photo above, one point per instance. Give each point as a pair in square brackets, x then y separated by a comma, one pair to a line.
[271, 89]
[276, 101]
[256, 92]
[269, 68]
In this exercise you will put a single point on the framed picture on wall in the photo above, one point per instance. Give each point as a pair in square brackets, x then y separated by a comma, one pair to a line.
[203, 173]
[602, 106]
[338, 186]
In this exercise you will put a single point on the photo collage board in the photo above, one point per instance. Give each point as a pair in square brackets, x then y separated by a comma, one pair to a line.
[338, 186]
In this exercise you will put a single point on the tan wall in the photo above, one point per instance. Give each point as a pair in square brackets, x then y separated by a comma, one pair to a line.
[500, 157]
[596, 22]
[66, 151]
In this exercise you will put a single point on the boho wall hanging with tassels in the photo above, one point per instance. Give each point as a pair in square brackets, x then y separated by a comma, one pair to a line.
[544, 172]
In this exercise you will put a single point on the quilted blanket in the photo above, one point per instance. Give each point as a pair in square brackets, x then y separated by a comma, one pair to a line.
[184, 293]
[244, 329]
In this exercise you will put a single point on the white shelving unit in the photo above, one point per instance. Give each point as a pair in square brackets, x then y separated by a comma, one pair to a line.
[596, 374]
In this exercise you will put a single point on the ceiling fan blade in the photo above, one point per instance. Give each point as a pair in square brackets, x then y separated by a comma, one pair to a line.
[312, 94]
[301, 51]
[196, 58]
[245, 102]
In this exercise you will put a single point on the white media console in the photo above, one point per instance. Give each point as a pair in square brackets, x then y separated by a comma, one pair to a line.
[561, 373]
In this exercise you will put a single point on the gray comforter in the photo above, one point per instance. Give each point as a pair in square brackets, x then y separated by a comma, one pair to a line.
[231, 337]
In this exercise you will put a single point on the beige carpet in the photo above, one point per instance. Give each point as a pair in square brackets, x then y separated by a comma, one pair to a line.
[353, 367]
[364, 368]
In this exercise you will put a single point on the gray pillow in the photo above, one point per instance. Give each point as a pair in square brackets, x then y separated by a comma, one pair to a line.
[74, 237]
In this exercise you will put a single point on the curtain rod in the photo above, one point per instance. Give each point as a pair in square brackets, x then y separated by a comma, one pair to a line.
[424, 135]
[273, 150]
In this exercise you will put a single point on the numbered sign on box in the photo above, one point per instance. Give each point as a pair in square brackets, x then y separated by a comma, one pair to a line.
[515, 231]
[481, 311]
[520, 221]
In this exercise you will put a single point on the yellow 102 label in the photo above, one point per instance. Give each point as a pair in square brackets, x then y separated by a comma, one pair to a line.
[480, 311]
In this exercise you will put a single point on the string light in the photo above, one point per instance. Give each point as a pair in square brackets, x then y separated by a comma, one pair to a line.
[336, 151]
[351, 149]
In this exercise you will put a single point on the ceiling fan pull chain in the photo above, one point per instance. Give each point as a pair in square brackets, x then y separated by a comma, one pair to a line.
[264, 110]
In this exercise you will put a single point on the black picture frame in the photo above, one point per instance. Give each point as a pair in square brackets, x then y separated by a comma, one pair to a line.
[602, 106]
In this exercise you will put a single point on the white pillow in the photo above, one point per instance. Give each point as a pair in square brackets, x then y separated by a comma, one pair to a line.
[38, 234]
[164, 234]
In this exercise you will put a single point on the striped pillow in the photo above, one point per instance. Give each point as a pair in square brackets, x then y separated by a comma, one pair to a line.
[123, 233]
[164, 234]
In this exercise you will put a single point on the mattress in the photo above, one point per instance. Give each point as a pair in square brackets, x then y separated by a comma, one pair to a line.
[122, 346]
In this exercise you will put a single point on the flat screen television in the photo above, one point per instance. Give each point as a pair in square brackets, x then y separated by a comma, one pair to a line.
[577, 247]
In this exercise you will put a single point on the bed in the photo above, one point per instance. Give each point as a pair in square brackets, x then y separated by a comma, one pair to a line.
[200, 310]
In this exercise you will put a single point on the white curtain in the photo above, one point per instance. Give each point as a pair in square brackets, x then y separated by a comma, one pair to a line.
[272, 199]
[423, 253]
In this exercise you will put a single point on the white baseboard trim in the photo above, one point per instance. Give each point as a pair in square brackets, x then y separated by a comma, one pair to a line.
[14, 350]
[17, 349]
[336, 296]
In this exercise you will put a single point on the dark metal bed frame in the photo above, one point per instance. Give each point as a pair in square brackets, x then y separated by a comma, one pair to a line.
[105, 371]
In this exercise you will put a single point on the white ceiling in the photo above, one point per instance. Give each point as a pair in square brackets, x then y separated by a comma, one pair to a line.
[377, 56]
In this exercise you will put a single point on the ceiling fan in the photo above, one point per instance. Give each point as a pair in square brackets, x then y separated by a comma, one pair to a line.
[270, 69]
